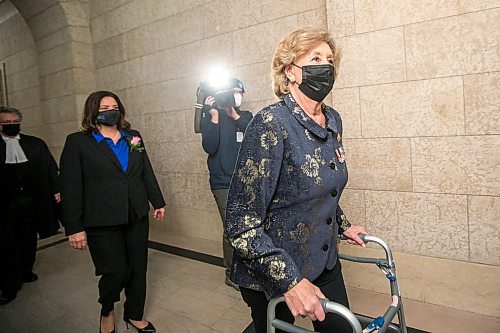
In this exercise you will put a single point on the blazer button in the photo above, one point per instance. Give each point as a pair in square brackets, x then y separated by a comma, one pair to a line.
[333, 166]
[334, 193]
[329, 221]
[325, 247]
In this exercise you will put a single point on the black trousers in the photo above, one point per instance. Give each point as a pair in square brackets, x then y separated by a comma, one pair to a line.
[120, 256]
[332, 286]
[18, 240]
[220, 197]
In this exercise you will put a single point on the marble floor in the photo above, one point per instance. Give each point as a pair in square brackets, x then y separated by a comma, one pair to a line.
[184, 295]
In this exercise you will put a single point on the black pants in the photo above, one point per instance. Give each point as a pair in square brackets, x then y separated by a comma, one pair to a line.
[120, 256]
[332, 286]
[221, 200]
[18, 240]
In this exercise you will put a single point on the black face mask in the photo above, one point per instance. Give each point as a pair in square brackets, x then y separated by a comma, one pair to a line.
[11, 129]
[108, 117]
[317, 81]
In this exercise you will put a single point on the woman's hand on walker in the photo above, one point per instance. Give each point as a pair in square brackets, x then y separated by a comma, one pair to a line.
[352, 234]
[303, 300]
[159, 214]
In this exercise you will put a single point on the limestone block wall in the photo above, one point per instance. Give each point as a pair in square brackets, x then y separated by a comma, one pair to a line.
[66, 68]
[18, 52]
[419, 92]
[49, 51]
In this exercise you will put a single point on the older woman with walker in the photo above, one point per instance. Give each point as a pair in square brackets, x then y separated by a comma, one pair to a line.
[283, 213]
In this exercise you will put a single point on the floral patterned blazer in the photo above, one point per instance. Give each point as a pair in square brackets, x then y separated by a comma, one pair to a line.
[283, 215]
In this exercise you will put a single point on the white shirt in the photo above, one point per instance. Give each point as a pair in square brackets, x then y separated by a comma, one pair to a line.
[13, 153]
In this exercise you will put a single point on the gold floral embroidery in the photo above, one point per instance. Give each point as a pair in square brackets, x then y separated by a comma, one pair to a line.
[285, 134]
[248, 173]
[250, 191]
[300, 234]
[344, 224]
[299, 111]
[264, 167]
[241, 244]
[268, 139]
[308, 134]
[249, 234]
[311, 166]
[277, 270]
[267, 117]
[251, 222]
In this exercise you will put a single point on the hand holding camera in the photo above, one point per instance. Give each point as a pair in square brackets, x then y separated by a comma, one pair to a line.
[214, 112]
[227, 97]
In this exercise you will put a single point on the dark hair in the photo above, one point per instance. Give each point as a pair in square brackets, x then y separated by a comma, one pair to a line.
[91, 109]
[9, 110]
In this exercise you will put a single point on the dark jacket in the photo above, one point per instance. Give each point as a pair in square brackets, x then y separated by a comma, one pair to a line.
[95, 189]
[42, 183]
[219, 142]
[283, 200]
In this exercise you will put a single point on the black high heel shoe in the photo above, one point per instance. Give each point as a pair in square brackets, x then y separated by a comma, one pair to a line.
[100, 323]
[148, 329]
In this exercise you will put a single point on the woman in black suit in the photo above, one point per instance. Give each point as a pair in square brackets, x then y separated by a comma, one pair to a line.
[107, 181]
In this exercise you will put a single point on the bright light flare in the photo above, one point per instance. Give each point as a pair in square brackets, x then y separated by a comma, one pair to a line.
[218, 77]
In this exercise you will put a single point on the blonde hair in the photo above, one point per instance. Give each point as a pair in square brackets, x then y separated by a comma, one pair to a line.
[296, 43]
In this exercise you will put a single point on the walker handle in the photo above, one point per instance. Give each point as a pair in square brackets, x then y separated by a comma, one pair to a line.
[360, 235]
[373, 239]
[328, 307]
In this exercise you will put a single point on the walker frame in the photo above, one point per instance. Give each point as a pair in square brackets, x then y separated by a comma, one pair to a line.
[356, 321]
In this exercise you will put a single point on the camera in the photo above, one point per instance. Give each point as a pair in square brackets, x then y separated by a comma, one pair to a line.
[223, 94]
[224, 99]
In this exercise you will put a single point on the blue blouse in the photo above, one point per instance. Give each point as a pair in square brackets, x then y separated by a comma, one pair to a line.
[121, 148]
[282, 212]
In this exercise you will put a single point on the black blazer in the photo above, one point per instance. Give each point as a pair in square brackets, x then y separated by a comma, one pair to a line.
[95, 189]
[42, 173]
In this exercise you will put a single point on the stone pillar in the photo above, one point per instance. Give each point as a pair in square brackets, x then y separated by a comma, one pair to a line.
[65, 63]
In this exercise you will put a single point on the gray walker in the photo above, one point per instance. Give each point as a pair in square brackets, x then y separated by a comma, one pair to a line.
[380, 324]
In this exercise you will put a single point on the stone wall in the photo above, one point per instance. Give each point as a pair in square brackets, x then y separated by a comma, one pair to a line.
[419, 92]
[63, 71]
[18, 52]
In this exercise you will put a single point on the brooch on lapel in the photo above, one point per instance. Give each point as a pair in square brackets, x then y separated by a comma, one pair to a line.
[340, 154]
[135, 144]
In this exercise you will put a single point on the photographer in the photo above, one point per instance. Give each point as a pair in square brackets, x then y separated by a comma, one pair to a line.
[222, 128]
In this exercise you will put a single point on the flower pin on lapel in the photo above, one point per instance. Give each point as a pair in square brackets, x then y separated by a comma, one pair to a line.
[135, 144]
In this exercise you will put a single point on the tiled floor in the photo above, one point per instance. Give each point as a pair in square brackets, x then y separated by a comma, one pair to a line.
[183, 296]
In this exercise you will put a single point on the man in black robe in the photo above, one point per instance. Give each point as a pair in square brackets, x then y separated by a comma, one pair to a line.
[29, 191]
